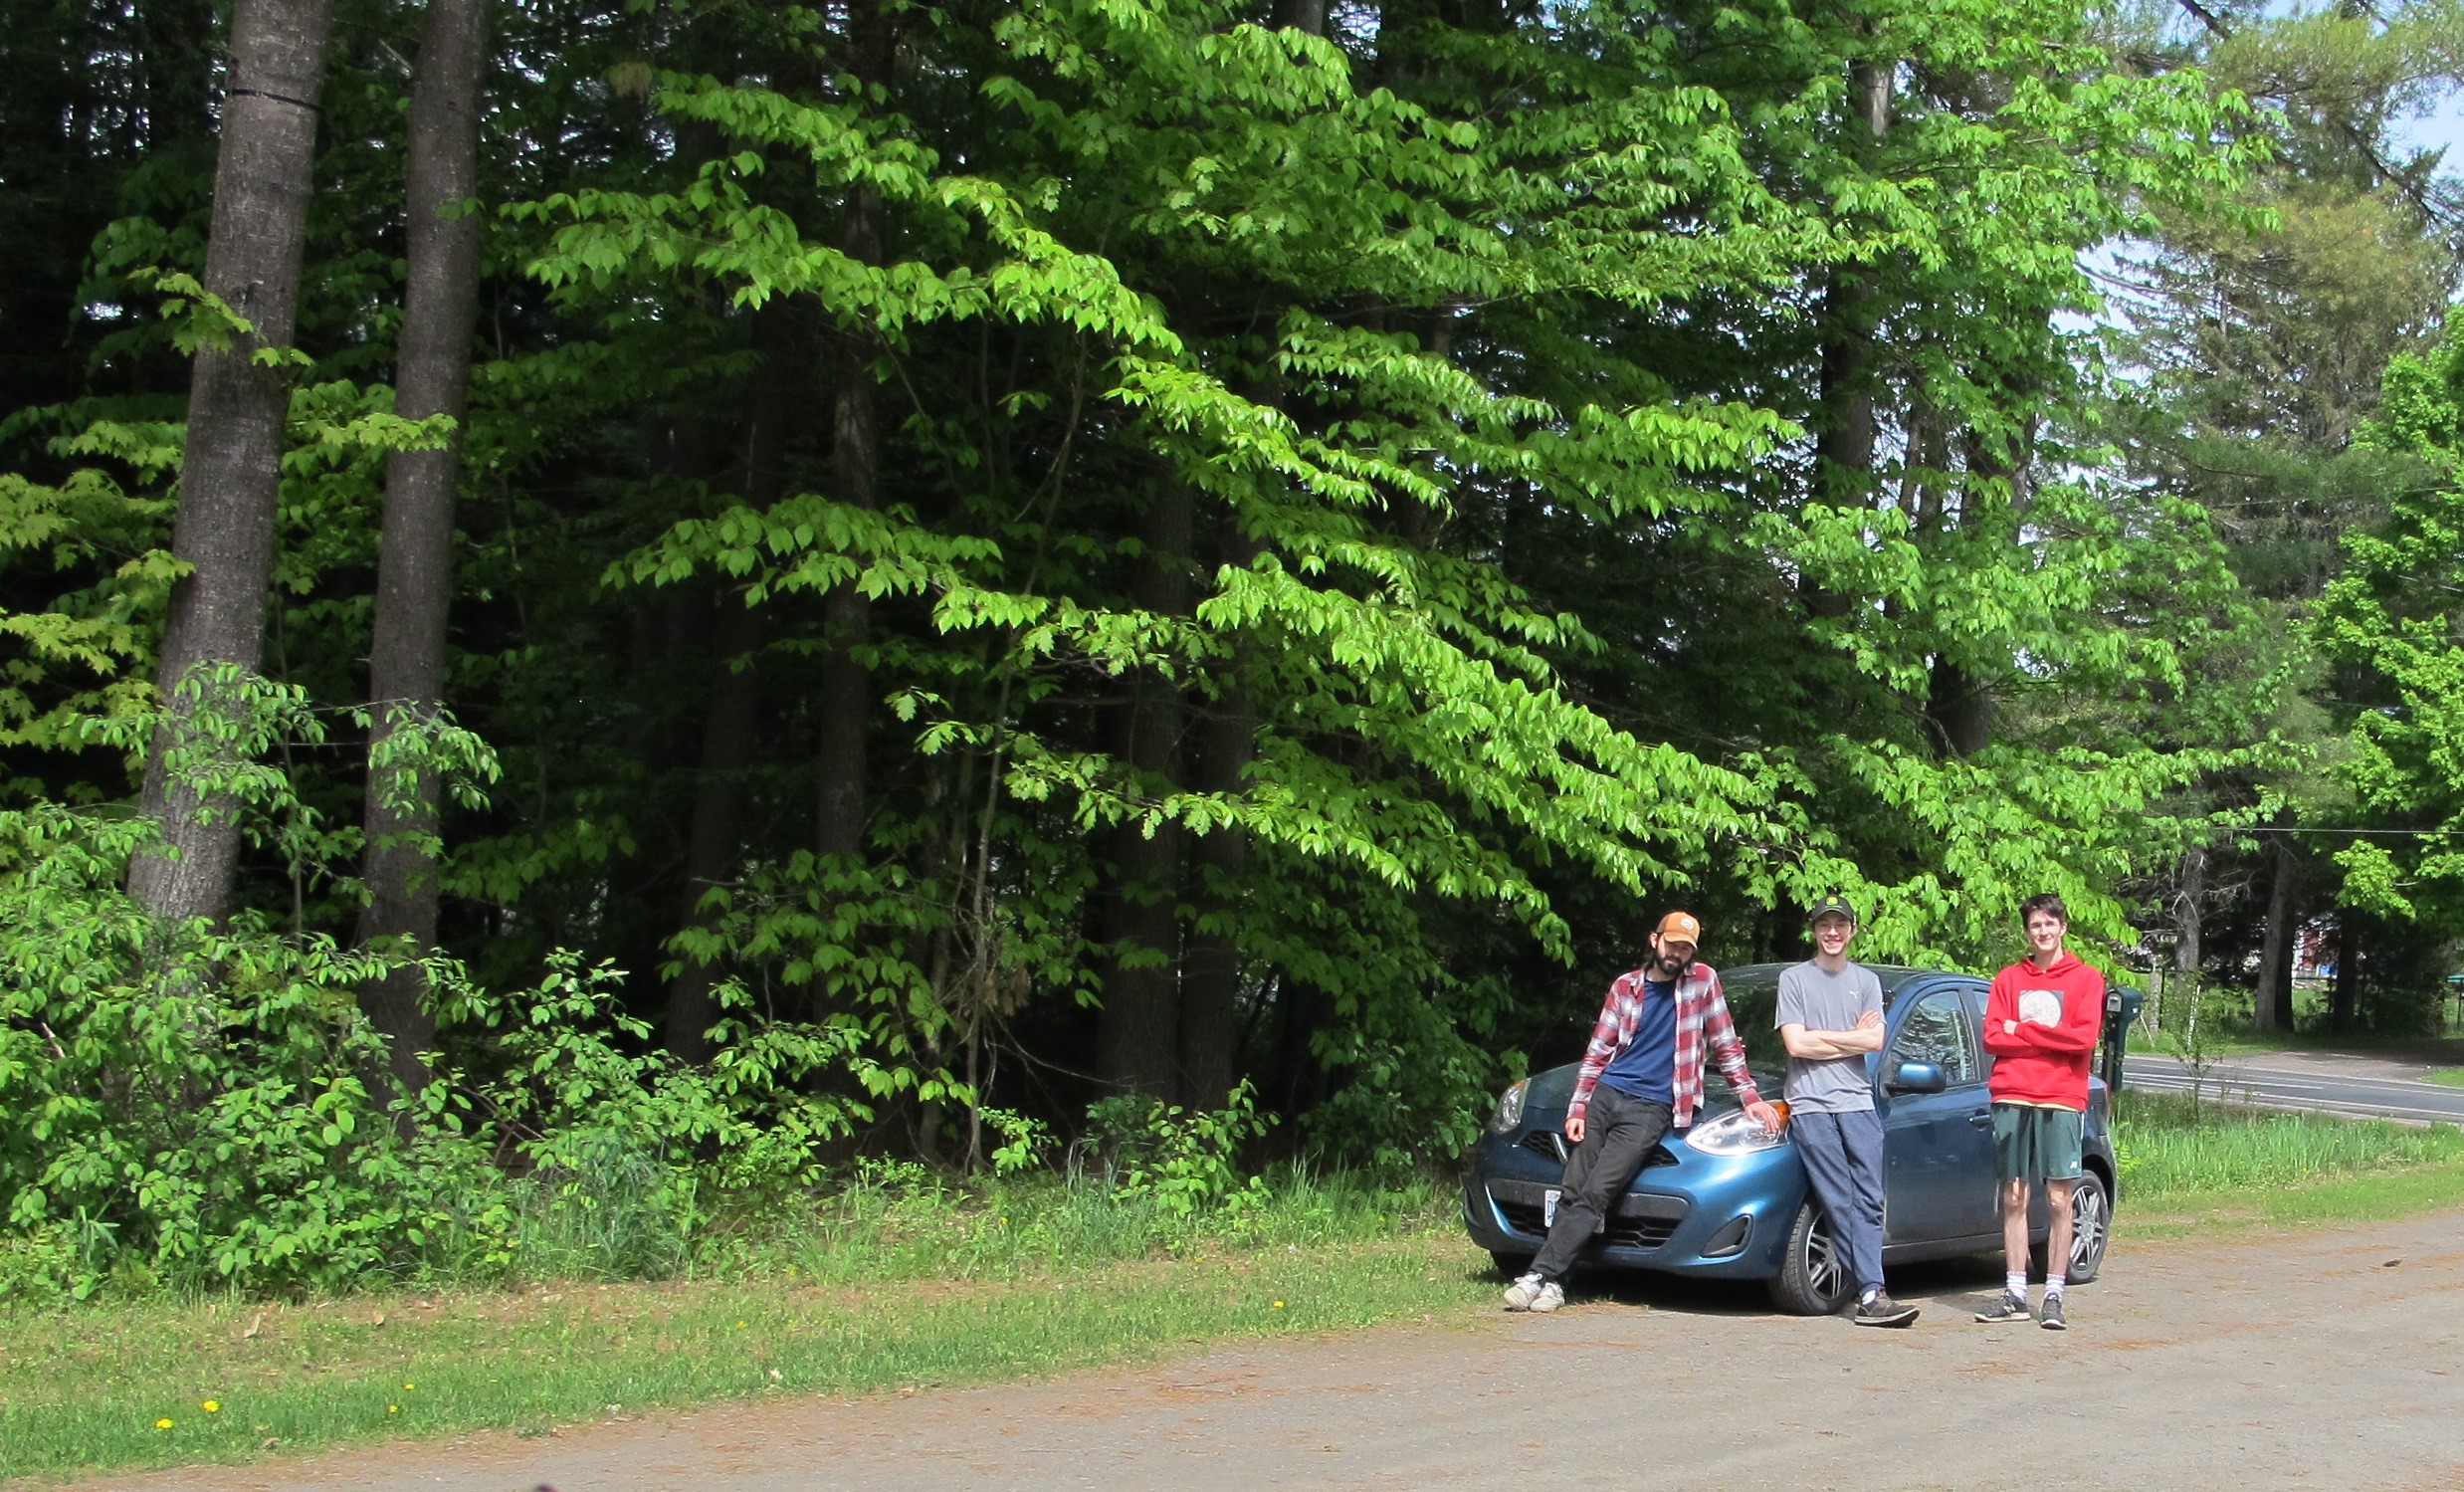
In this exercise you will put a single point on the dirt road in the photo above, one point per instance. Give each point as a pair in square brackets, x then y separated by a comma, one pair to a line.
[2330, 1360]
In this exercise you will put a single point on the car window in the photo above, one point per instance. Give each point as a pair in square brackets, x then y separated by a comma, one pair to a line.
[1934, 1029]
[1752, 1002]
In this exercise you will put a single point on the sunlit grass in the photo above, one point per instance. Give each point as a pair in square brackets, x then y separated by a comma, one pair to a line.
[900, 1280]
[2171, 1149]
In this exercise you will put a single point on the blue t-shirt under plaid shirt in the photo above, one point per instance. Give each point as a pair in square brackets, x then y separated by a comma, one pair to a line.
[1647, 1068]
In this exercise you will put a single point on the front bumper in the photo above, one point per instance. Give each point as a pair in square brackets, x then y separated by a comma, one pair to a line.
[1682, 1214]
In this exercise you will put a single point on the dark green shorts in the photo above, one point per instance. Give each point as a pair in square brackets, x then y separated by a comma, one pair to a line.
[2035, 1145]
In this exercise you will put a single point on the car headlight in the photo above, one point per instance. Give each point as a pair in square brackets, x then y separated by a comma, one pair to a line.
[1733, 1134]
[1509, 1108]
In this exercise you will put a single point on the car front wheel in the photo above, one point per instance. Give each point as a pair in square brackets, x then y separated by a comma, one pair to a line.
[1814, 1275]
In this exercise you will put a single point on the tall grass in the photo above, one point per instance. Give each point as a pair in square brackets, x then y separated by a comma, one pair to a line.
[903, 1223]
[2170, 1150]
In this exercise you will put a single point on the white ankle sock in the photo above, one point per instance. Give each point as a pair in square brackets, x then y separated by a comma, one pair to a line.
[1867, 1297]
[2053, 1287]
[2017, 1283]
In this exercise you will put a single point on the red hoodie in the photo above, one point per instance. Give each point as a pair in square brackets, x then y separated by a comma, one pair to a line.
[2041, 1026]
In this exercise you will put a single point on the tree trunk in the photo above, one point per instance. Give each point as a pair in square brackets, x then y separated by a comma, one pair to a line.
[731, 706]
[2345, 1015]
[238, 412]
[2272, 1008]
[1302, 15]
[2189, 897]
[732, 701]
[1844, 422]
[415, 554]
[844, 696]
[730, 722]
[1844, 431]
[1137, 1036]
[1959, 707]
[844, 699]
[1211, 981]
[1844, 435]
[1298, 1082]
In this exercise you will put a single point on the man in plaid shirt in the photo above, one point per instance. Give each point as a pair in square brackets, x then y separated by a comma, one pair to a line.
[1641, 1077]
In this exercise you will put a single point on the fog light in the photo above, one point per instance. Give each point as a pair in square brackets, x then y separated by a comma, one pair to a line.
[1729, 1240]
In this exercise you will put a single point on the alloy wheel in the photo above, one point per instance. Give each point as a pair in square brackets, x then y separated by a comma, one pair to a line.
[1823, 1262]
[2088, 1224]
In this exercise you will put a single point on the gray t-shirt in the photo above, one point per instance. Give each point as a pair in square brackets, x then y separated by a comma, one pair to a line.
[1821, 1001]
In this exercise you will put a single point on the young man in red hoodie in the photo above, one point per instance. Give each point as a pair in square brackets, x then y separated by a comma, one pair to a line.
[2042, 1017]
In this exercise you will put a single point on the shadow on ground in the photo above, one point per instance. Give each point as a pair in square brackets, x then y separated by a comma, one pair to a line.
[1967, 1284]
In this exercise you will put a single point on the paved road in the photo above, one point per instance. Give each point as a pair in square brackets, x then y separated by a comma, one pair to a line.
[2336, 1083]
[2320, 1360]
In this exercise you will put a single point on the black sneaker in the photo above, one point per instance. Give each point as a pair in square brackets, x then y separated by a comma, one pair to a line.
[2050, 1318]
[1882, 1310]
[2012, 1308]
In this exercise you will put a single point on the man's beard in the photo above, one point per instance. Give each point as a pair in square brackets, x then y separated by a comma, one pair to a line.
[1672, 968]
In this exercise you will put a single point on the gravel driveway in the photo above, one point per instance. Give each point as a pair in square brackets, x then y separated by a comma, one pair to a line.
[2329, 1359]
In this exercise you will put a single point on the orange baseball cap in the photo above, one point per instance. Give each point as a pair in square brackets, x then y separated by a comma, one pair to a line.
[1680, 927]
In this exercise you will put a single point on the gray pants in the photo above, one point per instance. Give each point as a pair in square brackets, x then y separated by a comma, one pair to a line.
[1843, 1162]
[1619, 1134]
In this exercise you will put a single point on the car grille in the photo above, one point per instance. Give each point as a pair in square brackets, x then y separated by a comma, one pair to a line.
[1643, 1221]
[1621, 1232]
[1550, 1143]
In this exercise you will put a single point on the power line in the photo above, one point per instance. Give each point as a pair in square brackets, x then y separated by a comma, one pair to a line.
[2305, 829]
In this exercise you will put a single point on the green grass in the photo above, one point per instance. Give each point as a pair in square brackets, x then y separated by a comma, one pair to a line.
[2174, 1153]
[2379, 1196]
[900, 1281]
[84, 1389]
[2452, 1077]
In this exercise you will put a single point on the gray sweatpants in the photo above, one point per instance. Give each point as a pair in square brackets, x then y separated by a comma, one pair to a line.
[1843, 1162]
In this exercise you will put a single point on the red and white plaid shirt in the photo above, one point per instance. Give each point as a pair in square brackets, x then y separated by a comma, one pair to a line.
[1702, 1023]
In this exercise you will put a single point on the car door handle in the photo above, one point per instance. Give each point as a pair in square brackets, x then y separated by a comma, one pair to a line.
[1980, 1119]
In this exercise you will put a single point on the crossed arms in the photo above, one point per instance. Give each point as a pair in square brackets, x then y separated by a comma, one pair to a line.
[1824, 1046]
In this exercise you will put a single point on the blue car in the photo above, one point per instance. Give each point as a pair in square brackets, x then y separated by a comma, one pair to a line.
[1727, 1200]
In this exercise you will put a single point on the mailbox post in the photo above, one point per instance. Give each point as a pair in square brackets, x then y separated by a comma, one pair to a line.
[2121, 1007]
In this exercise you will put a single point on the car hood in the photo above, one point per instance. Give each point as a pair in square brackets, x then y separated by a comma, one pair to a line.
[1552, 1091]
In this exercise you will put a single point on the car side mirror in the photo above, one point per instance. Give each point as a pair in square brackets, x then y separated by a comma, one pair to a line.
[1918, 1076]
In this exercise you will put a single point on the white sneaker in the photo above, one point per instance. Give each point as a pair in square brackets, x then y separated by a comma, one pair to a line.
[1524, 1291]
[1552, 1296]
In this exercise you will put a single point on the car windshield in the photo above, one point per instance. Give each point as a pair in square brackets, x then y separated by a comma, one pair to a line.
[1753, 1000]
[1752, 1003]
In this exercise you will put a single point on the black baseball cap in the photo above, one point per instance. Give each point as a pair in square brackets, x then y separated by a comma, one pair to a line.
[1829, 906]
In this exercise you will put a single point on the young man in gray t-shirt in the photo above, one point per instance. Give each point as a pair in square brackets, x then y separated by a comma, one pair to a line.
[1829, 1018]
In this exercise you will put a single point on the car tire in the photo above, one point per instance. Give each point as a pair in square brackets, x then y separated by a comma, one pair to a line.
[2092, 1221]
[1511, 1266]
[1813, 1277]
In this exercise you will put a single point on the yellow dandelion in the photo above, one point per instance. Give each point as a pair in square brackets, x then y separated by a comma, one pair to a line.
[1279, 1305]
[739, 1326]
[162, 1425]
[212, 1406]
[407, 1388]
[393, 1409]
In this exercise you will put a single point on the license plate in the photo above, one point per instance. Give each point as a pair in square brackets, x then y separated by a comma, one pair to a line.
[1549, 1206]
